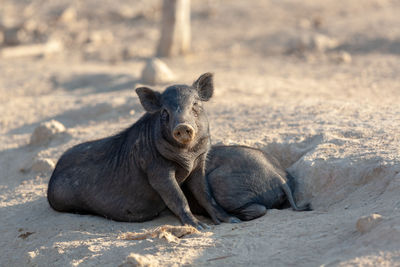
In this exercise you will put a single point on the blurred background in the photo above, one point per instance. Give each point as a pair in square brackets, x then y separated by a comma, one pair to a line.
[272, 50]
[118, 31]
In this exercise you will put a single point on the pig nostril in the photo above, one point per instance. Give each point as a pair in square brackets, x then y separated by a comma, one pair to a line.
[184, 133]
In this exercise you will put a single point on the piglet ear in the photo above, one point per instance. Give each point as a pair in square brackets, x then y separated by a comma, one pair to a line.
[204, 86]
[150, 100]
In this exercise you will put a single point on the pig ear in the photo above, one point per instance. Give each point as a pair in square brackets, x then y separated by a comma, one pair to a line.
[149, 99]
[204, 86]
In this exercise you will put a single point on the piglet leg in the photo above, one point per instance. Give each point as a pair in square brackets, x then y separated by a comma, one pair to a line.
[164, 182]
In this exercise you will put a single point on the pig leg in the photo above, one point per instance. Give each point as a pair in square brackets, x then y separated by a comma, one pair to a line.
[164, 182]
[199, 187]
[61, 195]
[250, 212]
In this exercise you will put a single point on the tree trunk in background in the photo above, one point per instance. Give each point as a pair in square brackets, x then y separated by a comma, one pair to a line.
[175, 28]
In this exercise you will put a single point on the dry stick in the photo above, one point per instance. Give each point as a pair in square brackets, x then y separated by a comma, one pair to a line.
[221, 258]
[31, 50]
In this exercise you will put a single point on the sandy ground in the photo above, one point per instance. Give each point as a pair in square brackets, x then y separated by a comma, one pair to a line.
[327, 109]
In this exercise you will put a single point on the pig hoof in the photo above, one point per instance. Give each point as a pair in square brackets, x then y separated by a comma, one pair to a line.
[233, 220]
[205, 226]
[201, 226]
[229, 219]
[198, 225]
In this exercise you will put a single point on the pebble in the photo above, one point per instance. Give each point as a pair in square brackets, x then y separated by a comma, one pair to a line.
[42, 165]
[156, 72]
[341, 57]
[46, 131]
[316, 42]
[69, 15]
[366, 223]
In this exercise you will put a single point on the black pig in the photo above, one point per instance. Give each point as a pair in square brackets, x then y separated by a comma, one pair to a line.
[134, 175]
[246, 181]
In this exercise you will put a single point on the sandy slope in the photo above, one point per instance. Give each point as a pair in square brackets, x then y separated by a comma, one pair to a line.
[334, 125]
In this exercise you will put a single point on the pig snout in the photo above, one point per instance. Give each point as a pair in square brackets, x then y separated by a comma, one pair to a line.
[184, 133]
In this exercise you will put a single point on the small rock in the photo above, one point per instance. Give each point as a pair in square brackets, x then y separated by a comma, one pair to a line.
[134, 259]
[43, 165]
[341, 57]
[126, 12]
[322, 42]
[156, 72]
[316, 42]
[101, 37]
[46, 131]
[366, 223]
[68, 15]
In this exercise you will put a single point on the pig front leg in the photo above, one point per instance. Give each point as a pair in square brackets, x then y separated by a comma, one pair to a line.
[164, 182]
[199, 187]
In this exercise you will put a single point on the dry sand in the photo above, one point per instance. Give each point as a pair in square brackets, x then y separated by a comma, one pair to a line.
[327, 107]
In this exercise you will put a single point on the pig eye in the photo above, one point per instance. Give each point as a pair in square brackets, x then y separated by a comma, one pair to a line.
[195, 110]
[164, 115]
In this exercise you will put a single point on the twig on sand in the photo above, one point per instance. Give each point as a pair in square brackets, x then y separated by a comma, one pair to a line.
[169, 232]
[221, 258]
[31, 50]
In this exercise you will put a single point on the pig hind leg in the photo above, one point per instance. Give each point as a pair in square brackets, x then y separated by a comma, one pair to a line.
[61, 196]
[250, 212]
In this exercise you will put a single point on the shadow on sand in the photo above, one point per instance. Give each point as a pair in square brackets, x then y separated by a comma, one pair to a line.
[95, 82]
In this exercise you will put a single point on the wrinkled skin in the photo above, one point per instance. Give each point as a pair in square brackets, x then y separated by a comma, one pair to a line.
[134, 175]
[246, 182]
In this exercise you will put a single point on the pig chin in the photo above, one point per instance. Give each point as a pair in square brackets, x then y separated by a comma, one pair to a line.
[184, 140]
